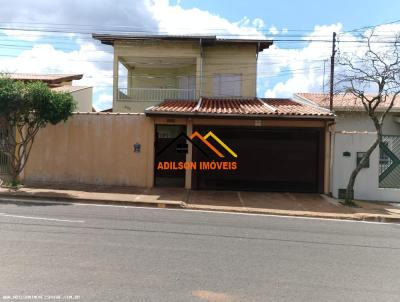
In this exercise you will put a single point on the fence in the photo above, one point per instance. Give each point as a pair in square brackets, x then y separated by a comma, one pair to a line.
[155, 94]
[3, 157]
[389, 162]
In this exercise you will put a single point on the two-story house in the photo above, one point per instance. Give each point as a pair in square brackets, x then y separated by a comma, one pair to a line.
[186, 114]
[189, 84]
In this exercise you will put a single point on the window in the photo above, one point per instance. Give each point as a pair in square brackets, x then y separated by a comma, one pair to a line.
[187, 86]
[228, 85]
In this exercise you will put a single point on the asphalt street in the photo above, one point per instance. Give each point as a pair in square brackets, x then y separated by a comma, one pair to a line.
[63, 252]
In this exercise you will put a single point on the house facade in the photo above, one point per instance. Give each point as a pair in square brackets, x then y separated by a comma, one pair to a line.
[62, 83]
[150, 69]
[353, 134]
[186, 114]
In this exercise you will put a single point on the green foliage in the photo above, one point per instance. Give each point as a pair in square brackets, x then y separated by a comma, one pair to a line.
[24, 109]
[33, 104]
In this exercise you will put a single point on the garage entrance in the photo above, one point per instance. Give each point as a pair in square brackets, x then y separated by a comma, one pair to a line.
[269, 159]
[167, 148]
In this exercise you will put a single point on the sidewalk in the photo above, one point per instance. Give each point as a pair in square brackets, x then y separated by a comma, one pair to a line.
[288, 204]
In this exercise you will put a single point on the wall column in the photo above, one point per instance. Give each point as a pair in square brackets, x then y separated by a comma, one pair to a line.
[189, 155]
[115, 79]
[327, 160]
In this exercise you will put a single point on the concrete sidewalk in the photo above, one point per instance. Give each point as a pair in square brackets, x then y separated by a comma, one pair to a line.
[289, 204]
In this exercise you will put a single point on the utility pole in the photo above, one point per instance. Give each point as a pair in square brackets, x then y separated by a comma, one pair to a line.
[332, 70]
[323, 77]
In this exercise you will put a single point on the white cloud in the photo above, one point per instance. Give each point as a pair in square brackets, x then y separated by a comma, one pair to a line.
[303, 67]
[23, 35]
[273, 30]
[173, 19]
[306, 65]
[258, 23]
[76, 14]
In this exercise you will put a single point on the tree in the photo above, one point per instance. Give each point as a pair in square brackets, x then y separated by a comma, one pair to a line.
[24, 109]
[372, 76]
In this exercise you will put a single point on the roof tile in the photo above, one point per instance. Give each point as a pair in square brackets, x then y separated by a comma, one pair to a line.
[345, 101]
[238, 106]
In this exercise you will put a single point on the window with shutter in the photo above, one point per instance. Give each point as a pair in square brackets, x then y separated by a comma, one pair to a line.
[227, 85]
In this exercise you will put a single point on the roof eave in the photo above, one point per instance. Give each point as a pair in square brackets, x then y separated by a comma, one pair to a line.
[109, 39]
[238, 116]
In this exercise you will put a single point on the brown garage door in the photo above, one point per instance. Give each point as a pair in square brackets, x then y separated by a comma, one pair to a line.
[269, 159]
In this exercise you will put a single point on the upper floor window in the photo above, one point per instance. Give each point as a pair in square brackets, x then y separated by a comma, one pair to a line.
[227, 85]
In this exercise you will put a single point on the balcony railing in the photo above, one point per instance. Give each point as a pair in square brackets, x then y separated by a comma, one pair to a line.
[156, 94]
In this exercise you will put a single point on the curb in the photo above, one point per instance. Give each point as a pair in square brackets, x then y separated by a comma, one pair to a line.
[30, 198]
[183, 205]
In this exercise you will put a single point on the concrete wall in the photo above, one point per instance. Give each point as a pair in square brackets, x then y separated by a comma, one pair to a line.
[359, 121]
[83, 97]
[94, 149]
[367, 182]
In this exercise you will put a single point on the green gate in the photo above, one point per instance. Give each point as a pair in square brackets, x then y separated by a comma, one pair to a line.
[389, 162]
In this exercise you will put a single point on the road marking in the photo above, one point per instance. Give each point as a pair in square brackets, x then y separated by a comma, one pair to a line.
[192, 210]
[40, 218]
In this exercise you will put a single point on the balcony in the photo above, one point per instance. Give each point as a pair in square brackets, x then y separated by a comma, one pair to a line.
[142, 82]
[156, 94]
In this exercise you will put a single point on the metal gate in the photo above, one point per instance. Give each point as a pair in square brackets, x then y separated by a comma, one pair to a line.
[389, 162]
[3, 157]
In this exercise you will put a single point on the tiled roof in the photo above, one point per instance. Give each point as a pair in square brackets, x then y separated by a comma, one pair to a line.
[48, 78]
[69, 88]
[342, 101]
[238, 107]
[174, 106]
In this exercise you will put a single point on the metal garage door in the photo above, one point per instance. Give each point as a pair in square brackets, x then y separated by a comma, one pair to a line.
[269, 159]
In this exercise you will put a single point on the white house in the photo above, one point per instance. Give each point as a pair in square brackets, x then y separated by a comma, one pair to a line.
[352, 134]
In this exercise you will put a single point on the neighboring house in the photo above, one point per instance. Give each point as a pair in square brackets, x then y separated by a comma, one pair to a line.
[354, 133]
[63, 83]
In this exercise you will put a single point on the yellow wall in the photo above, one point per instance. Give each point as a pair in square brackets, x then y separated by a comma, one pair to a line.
[230, 59]
[159, 77]
[94, 149]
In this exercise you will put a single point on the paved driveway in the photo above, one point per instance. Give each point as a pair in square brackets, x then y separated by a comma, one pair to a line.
[276, 201]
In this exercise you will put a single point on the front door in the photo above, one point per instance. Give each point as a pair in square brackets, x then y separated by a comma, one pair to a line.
[168, 149]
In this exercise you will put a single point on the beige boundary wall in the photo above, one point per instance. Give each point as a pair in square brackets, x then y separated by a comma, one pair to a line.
[97, 148]
[94, 149]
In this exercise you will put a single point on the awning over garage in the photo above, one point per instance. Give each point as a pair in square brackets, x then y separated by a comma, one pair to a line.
[240, 107]
[272, 154]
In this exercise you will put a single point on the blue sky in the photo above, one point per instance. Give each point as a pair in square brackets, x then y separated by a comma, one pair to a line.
[304, 14]
[283, 69]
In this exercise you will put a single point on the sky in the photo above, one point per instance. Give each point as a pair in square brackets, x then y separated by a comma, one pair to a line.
[285, 68]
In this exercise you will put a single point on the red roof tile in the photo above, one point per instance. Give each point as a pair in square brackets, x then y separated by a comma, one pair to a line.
[342, 101]
[239, 107]
[48, 78]
[174, 106]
